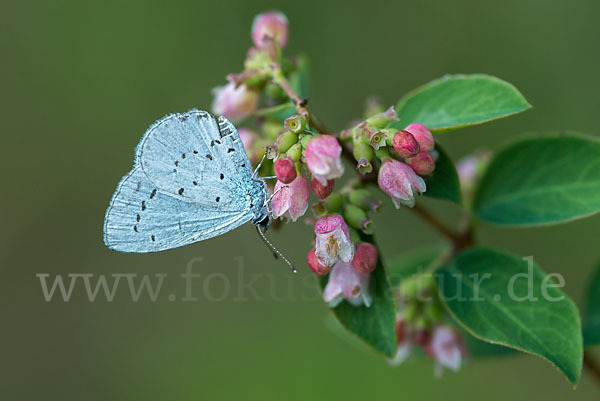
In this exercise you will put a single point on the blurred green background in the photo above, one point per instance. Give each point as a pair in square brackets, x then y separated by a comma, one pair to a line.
[81, 81]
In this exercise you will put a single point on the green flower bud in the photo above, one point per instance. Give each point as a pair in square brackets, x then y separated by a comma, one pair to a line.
[361, 198]
[296, 123]
[355, 216]
[362, 150]
[274, 91]
[272, 129]
[285, 141]
[334, 202]
[382, 120]
[295, 152]
[305, 139]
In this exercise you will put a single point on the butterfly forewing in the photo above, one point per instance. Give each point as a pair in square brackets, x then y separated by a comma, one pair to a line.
[197, 159]
[144, 218]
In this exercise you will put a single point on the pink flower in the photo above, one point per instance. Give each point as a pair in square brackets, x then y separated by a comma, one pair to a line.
[422, 164]
[290, 200]
[333, 241]
[400, 182]
[248, 138]
[405, 144]
[268, 27]
[346, 283]
[446, 348]
[234, 103]
[365, 258]
[422, 135]
[314, 264]
[285, 170]
[322, 191]
[322, 157]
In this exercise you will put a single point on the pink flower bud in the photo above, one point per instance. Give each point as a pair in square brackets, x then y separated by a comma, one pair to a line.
[322, 157]
[365, 258]
[333, 241]
[290, 200]
[405, 144]
[400, 182]
[422, 164]
[285, 170]
[314, 264]
[322, 191]
[235, 104]
[268, 27]
[446, 348]
[422, 135]
[346, 283]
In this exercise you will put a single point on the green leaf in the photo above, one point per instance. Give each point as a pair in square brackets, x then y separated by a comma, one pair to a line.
[541, 181]
[410, 263]
[376, 325]
[591, 332]
[443, 183]
[455, 101]
[300, 79]
[279, 112]
[481, 349]
[486, 291]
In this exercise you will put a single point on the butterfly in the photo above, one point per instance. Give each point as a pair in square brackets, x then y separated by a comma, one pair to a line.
[191, 181]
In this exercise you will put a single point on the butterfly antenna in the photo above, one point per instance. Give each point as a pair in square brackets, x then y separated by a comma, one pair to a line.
[275, 250]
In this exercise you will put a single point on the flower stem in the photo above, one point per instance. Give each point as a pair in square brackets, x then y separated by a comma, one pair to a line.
[300, 103]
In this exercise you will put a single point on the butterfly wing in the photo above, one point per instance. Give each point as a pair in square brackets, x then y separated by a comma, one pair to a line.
[144, 218]
[184, 154]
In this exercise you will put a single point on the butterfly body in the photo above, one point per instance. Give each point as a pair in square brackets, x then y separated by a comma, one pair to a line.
[191, 181]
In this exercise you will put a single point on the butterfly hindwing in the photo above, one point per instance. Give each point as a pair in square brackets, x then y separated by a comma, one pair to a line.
[198, 159]
[144, 218]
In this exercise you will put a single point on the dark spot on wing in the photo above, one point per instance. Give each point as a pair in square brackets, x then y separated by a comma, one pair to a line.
[183, 118]
[212, 143]
[180, 191]
[222, 176]
[135, 229]
[176, 163]
[230, 150]
[217, 141]
[183, 155]
[195, 152]
[218, 198]
[209, 157]
[137, 218]
[153, 193]
[153, 238]
[243, 164]
[143, 205]
[195, 183]
[174, 170]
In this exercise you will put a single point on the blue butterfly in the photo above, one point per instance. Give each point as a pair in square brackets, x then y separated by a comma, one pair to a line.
[191, 181]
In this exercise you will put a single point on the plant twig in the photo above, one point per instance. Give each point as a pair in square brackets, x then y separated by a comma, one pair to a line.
[459, 241]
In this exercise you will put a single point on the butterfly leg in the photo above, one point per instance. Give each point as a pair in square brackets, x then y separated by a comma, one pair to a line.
[255, 174]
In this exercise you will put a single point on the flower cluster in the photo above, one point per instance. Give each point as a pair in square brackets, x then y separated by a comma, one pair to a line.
[419, 324]
[306, 158]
